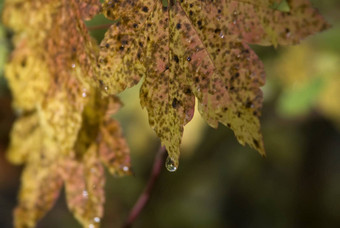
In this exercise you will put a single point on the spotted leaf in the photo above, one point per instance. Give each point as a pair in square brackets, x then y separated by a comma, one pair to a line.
[41, 180]
[199, 48]
[58, 135]
[84, 186]
[112, 146]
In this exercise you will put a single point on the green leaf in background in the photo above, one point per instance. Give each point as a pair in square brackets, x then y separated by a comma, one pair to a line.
[282, 6]
[3, 55]
[298, 101]
[3, 48]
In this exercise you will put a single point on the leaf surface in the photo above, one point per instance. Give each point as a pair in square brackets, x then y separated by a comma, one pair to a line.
[188, 49]
[84, 186]
[58, 135]
[113, 149]
[41, 180]
[257, 22]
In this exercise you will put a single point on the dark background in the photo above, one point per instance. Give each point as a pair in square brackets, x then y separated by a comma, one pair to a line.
[220, 183]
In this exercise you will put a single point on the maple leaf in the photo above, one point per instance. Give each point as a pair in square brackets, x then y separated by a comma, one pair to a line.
[110, 139]
[27, 74]
[41, 182]
[83, 172]
[65, 130]
[188, 49]
[56, 69]
[84, 188]
[100, 141]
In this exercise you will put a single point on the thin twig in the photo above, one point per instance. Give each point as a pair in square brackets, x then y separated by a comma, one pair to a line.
[144, 197]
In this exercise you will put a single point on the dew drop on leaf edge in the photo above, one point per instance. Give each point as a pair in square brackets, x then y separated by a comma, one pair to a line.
[85, 194]
[96, 219]
[170, 165]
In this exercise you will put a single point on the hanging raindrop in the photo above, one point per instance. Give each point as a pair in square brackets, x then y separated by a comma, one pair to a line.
[170, 165]
[97, 219]
[85, 194]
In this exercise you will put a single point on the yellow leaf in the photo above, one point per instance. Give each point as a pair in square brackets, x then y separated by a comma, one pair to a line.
[41, 182]
[84, 183]
[28, 77]
[59, 134]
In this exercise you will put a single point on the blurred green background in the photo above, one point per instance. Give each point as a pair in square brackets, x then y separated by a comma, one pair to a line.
[220, 183]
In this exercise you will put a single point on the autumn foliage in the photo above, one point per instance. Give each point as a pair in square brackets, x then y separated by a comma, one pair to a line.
[64, 84]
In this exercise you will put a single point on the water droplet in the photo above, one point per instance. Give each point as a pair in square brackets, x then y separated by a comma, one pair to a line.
[170, 165]
[73, 65]
[84, 94]
[85, 194]
[287, 31]
[105, 88]
[96, 219]
[126, 168]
